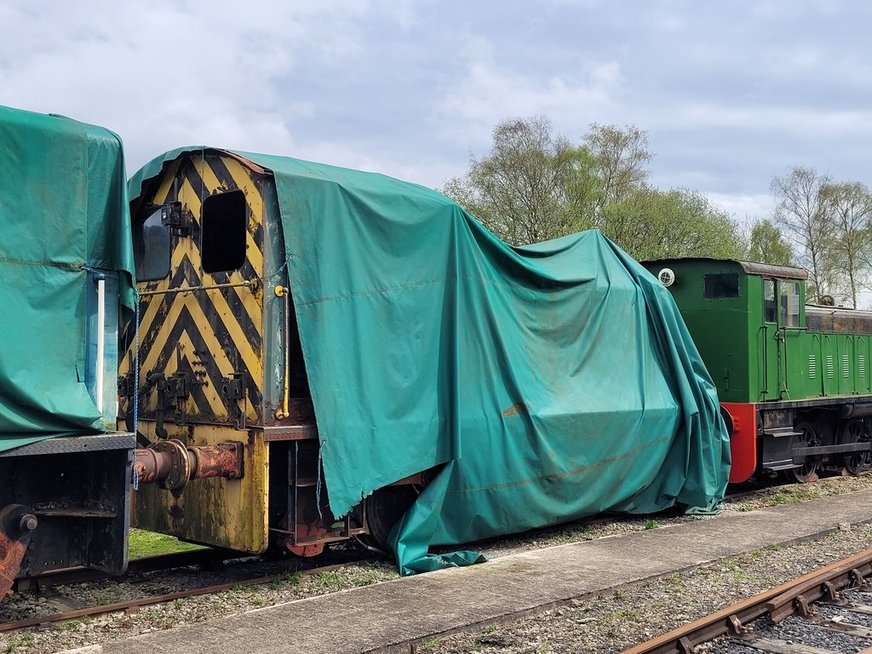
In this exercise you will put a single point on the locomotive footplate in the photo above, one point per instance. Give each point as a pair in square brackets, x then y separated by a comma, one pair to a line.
[778, 448]
[800, 453]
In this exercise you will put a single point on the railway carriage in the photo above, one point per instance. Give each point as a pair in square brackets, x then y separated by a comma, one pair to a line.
[793, 379]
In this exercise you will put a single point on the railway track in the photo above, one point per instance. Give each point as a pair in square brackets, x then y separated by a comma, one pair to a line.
[211, 571]
[202, 557]
[134, 604]
[828, 611]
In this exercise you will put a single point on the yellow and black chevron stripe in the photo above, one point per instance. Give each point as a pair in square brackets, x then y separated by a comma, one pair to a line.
[213, 334]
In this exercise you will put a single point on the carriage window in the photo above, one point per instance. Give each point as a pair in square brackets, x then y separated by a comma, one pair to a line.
[721, 286]
[789, 292]
[151, 248]
[769, 300]
[222, 244]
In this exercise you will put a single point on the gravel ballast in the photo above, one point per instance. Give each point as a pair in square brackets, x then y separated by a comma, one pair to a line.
[626, 616]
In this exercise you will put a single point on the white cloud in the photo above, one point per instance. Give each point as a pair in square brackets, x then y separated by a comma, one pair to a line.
[168, 74]
[489, 92]
[743, 207]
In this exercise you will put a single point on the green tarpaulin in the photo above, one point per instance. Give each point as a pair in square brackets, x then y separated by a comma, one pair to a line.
[549, 382]
[63, 211]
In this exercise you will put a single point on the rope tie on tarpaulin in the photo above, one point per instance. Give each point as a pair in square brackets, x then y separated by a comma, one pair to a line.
[136, 382]
[318, 486]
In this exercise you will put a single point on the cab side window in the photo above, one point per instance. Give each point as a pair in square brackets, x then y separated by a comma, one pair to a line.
[721, 285]
[151, 248]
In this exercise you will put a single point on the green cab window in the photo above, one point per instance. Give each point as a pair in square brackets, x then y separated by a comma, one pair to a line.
[789, 292]
[721, 285]
[769, 309]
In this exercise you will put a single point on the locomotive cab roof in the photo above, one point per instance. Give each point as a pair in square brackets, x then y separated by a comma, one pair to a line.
[749, 267]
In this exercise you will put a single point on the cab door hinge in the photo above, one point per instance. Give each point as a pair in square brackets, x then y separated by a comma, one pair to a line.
[233, 392]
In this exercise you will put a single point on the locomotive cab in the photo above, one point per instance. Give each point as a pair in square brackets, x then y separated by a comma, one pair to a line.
[219, 371]
[793, 384]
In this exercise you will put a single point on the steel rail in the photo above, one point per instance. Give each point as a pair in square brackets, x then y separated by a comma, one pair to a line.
[136, 567]
[133, 605]
[777, 603]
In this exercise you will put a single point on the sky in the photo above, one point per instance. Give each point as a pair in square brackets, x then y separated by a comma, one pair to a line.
[731, 94]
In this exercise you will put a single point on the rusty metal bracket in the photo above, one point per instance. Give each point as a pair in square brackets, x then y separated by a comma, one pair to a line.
[859, 580]
[734, 624]
[173, 216]
[233, 392]
[803, 605]
[171, 465]
[17, 523]
[831, 593]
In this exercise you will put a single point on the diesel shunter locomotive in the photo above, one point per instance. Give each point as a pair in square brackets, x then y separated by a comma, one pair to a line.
[793, 379]
[222, 371]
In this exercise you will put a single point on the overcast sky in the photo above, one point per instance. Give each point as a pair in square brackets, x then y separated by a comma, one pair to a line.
[730, 93]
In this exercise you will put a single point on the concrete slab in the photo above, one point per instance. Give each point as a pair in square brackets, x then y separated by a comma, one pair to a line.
[388, 617]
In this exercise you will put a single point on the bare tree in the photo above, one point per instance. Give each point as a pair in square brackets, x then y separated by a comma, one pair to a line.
[849, 208]
[800, 211]
[619, 156]
[519, 189]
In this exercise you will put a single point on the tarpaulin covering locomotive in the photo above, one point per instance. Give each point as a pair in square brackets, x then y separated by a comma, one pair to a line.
[369, 347]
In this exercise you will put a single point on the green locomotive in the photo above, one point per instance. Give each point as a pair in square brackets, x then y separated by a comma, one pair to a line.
[793, 379]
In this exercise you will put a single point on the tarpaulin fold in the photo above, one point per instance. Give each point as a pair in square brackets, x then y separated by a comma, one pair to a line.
[63, 212]
[544, 383]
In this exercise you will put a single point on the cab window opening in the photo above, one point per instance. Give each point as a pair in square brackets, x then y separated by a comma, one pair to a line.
[222, 243]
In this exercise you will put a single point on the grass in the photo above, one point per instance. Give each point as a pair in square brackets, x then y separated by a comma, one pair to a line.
[651, 524]
[148, 543]
[19, 642]
[329, 580]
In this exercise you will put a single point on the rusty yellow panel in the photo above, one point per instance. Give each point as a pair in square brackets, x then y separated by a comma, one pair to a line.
[211, 334]
[229, 513]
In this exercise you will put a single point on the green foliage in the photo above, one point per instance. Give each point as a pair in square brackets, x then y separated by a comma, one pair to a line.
[767, 245]
[535, 185]
[329, 580]
[651, 524]
[519, 190]
[652, 224]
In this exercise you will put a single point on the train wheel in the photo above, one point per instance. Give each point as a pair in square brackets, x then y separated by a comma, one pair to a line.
[808, 437]
[384, 508]
[855, 431]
